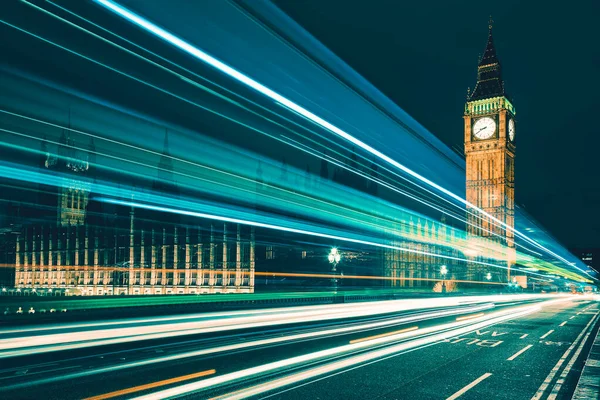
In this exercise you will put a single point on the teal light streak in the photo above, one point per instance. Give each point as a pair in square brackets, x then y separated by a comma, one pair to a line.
[142, 22]
[235, 103]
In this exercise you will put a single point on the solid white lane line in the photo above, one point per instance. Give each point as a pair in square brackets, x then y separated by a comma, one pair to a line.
[524, 336]
[469, 386]
[563, 375]
[540, 392]
[563, 324]
[545, 335]
[518, 353]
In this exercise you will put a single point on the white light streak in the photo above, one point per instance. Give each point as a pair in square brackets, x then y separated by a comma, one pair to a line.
[447, 331]
[201, 55]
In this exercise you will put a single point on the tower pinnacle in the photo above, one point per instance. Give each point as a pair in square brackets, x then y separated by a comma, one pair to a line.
[489, 72]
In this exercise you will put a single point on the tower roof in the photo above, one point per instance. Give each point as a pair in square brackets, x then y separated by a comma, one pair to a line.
[165, 181]
[489, 72]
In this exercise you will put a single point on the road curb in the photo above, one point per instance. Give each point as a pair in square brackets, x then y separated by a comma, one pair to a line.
[588, 386]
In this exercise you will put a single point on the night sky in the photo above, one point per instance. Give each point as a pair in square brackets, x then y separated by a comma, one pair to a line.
[423, 55]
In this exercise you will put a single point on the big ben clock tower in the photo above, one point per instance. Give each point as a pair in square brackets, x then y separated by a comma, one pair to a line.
[490, 156]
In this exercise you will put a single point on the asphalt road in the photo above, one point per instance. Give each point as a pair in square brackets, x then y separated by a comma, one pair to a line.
[477, 347]
[512, 360]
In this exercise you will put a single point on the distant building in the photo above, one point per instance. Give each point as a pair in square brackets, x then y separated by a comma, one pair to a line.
[75, 242]
[589, 256]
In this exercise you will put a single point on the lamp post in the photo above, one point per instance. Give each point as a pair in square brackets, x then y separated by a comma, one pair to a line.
[443, 272]
[334, 258]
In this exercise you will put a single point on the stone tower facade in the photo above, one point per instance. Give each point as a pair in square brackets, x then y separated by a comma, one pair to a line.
[489, 127]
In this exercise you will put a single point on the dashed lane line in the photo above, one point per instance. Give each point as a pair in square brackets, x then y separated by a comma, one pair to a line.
[469, 386]
[545, 335]
[518, 353]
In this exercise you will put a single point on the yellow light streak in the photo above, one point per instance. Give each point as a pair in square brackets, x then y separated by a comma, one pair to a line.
[470, 316]
[147, 386]
[100, 268]
[412, 328]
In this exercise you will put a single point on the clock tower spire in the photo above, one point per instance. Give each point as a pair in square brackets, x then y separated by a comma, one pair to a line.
[489, 126]
[489, 72]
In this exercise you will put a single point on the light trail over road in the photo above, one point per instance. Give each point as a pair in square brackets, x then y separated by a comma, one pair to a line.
[267, 351]
[44, 339]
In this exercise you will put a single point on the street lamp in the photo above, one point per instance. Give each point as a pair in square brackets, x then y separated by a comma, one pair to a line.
[443, 271]
[334, 258]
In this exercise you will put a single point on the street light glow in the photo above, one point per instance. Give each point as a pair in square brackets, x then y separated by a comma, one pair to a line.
[334, 256]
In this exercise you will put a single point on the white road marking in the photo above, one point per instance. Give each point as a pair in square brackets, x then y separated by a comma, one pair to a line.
[469, 386]
[540, 392]
[545, 335]
[518, 353]
[524, 336]
[563, 324]
[563, 375]
[34, 366]
[572, 317]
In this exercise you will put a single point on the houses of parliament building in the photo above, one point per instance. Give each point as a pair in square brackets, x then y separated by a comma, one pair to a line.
[87, 247]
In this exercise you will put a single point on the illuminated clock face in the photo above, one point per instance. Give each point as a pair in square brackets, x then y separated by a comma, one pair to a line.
[511, 129]
[484, 128]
